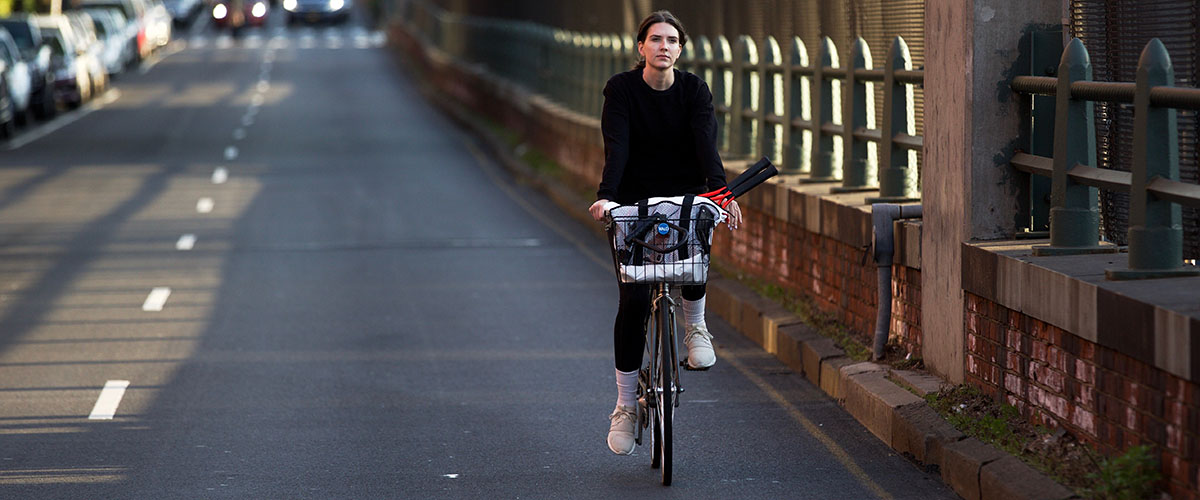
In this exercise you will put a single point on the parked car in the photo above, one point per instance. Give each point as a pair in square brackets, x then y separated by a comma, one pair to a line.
[134, 12]
[84, 31]
[235, 14]
[18, 75]
[158, 23]
[36, 53]
[120, 36]
[313, 11]
[8, 112]
[70, 63]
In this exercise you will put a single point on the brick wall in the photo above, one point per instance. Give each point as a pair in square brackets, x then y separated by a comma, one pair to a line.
[906, 309]
[839, 278]
[1101, 396]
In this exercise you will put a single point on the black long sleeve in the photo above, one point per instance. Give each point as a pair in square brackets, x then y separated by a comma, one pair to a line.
[658, 143]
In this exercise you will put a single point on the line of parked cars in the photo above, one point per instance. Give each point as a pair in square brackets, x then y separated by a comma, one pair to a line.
[48, 62]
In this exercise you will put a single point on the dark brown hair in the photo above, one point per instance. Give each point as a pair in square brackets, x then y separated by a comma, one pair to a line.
[659, 16]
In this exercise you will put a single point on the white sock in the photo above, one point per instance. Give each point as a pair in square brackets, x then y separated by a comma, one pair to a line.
[693, 312]
[627, 383]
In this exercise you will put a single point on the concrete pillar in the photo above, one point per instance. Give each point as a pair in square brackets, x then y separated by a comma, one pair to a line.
[972, 123]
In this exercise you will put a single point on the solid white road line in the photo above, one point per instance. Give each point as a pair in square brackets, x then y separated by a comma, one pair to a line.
[204, 205]
[186, 242]
[220, 175]
[157, 299]
[110, 398]
[66, 119]
[158, 56]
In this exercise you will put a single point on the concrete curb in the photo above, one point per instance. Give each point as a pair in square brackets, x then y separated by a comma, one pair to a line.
[880, 398]
[883, 400]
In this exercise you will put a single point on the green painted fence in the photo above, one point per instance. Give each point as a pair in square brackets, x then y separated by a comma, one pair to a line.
[1156, 194]
[814, 120]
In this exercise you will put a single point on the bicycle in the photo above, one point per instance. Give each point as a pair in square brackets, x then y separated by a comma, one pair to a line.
[661, 242]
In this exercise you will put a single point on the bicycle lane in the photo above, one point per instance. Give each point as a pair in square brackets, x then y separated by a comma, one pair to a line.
[748, 428]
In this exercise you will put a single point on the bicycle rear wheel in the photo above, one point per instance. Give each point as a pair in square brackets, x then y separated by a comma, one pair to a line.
[666, 404]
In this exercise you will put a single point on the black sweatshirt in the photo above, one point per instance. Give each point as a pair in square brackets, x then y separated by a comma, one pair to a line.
[658, 142]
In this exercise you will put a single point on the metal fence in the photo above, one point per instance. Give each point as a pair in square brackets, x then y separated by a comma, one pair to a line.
[1155, 232]
[816, 120]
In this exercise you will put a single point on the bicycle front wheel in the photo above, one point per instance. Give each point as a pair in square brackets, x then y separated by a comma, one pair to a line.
[666, 389]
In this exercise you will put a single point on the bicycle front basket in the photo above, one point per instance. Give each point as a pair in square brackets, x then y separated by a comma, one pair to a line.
[663, 240]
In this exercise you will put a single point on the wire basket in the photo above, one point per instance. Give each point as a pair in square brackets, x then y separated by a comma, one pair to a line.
[663, 240]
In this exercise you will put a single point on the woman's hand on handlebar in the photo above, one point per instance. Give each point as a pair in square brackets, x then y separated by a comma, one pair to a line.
[597, 209]
[735, 215]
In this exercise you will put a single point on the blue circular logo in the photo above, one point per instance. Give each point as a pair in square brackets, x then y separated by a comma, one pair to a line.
[663, 228]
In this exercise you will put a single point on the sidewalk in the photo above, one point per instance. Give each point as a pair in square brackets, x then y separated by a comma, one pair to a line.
[888, 402]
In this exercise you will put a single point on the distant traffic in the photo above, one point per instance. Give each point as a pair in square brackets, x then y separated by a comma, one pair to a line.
[56, 62]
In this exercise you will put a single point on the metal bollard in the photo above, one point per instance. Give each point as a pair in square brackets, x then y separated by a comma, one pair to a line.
[1074, 217]
[858, 172]
[1155, 225]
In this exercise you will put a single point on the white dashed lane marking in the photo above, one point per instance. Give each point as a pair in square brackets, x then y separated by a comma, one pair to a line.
[186, 242]
[110, 398]
[157, 299]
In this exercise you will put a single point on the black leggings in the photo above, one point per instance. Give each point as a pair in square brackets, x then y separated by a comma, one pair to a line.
[629, 333]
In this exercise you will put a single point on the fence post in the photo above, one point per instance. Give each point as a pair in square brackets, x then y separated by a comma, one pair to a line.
[614, 62]
[826, 166]
[1155, 226]
[796, 159]
[770, 101]
[702, 62]
[745, 128]
[723, 91]
[1074, 218]
[579, 75]
[629, 52]
[596, 77]
[897, 179]
[857, 170]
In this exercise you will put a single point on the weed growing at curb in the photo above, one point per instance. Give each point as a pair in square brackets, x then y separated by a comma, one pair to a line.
[1128, 476]
[802, 307]
[1132, 475]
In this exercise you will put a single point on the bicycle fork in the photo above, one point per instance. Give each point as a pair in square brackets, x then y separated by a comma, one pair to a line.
[663, 299]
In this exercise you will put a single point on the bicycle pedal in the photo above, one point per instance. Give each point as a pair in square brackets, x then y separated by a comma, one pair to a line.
[689, 368]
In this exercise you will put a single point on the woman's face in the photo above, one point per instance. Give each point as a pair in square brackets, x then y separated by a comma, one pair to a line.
[661, 47]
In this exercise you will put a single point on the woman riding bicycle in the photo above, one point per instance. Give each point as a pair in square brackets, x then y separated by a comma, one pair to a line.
[659, 140]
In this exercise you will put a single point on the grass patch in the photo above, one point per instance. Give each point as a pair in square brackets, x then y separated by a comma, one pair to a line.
[1131, 475]
[802, 306]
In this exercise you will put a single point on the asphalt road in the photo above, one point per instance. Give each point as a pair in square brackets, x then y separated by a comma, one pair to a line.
[310, 284]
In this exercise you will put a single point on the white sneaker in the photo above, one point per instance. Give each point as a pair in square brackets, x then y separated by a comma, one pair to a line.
[620, 432]
[699, 347]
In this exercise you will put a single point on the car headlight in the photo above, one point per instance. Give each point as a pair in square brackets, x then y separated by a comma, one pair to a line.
[259, 9]
[220, 11]
[337, 4]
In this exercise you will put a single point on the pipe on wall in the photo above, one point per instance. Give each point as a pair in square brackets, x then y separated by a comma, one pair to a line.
[882, 217]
